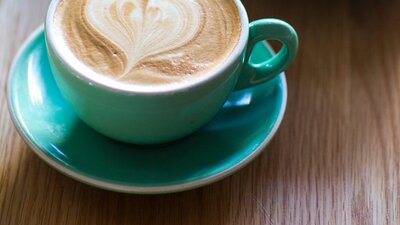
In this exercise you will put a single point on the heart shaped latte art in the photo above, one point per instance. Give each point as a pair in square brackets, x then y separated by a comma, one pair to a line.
[149, 42]
[145, 28]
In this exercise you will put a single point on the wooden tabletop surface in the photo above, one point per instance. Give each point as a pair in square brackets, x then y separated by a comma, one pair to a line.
[335, 159]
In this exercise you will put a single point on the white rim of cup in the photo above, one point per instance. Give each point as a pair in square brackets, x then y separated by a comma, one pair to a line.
[81, 71]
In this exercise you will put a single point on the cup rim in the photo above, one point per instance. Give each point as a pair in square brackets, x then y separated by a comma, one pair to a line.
[78, 69]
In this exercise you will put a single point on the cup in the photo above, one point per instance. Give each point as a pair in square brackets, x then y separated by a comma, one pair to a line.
[159, 116]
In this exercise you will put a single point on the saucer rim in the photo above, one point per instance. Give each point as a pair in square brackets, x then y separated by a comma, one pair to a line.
[133, 189]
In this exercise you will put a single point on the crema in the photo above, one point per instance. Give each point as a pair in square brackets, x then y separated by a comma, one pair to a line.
[149, 42]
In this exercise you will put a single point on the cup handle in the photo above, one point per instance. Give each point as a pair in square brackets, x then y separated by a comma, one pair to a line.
[268, 29]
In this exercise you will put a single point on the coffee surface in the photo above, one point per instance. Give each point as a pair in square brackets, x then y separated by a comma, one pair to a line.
[149, 42]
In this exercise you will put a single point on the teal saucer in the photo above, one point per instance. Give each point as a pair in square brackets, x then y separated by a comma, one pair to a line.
[240, 132]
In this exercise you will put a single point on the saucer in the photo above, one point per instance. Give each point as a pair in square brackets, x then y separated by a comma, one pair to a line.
[240, 132]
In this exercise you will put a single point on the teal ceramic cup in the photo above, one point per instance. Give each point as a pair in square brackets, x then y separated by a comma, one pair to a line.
[164, 115]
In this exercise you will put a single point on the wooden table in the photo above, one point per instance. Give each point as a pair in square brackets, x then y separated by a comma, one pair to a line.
[335, 159]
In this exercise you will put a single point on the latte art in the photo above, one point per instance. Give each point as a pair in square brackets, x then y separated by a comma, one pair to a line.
[149, 42]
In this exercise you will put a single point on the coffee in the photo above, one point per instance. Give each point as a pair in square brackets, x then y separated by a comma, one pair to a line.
[149, 42]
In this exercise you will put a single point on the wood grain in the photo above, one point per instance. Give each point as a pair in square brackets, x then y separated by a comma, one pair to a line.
[335, 159]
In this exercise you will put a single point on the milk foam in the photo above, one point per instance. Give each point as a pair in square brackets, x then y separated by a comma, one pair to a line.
[149, 42]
